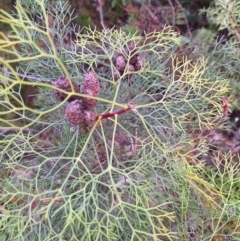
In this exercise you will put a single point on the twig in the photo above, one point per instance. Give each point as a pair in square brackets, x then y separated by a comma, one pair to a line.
[100, 165]
[185, 19]
[173, 13]
[100, 4]
[29, 77]
[153, 16]
[13, 130]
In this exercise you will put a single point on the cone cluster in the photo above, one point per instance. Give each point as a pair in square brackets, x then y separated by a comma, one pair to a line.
[64, 84]
[79, 109]
[136, 62]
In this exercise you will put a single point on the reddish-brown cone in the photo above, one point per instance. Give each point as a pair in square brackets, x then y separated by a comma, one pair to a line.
[130, 69]
[90, 116]
[140, 63]
[131, 46]
[133, 59]
[88, 103]
[120, 63]
[116, 75]
[64, 84]
[132, 51]
[74, 112]
[91, 82]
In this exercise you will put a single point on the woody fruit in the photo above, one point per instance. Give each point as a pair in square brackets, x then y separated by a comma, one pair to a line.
[75, 112]
[64, 84]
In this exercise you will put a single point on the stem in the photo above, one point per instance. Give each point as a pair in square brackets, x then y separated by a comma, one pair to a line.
[29, 77]
[100, 9]
[119, 112]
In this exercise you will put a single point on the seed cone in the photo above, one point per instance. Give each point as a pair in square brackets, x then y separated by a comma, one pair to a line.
[90, 86]
[140, 63]
[131, 46]
[64, 84]
[89, 103]
[116, 75]
[130, 69]
[120, 63]
[74, 112]
[133, 50]
[91, 82]
[90, 116]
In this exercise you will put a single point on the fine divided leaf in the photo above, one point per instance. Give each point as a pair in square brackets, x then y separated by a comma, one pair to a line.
[127, 175]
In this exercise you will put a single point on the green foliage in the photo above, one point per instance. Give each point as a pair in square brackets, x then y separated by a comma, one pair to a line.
[225, 14]
[128, 176]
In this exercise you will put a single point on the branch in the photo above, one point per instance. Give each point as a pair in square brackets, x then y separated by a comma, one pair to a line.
[29, 77]
[100, 4]
[119, 112]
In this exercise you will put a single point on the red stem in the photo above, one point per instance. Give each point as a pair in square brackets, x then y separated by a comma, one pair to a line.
[119, 112]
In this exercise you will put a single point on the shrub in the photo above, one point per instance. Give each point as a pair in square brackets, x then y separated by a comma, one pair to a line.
[132, 167]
